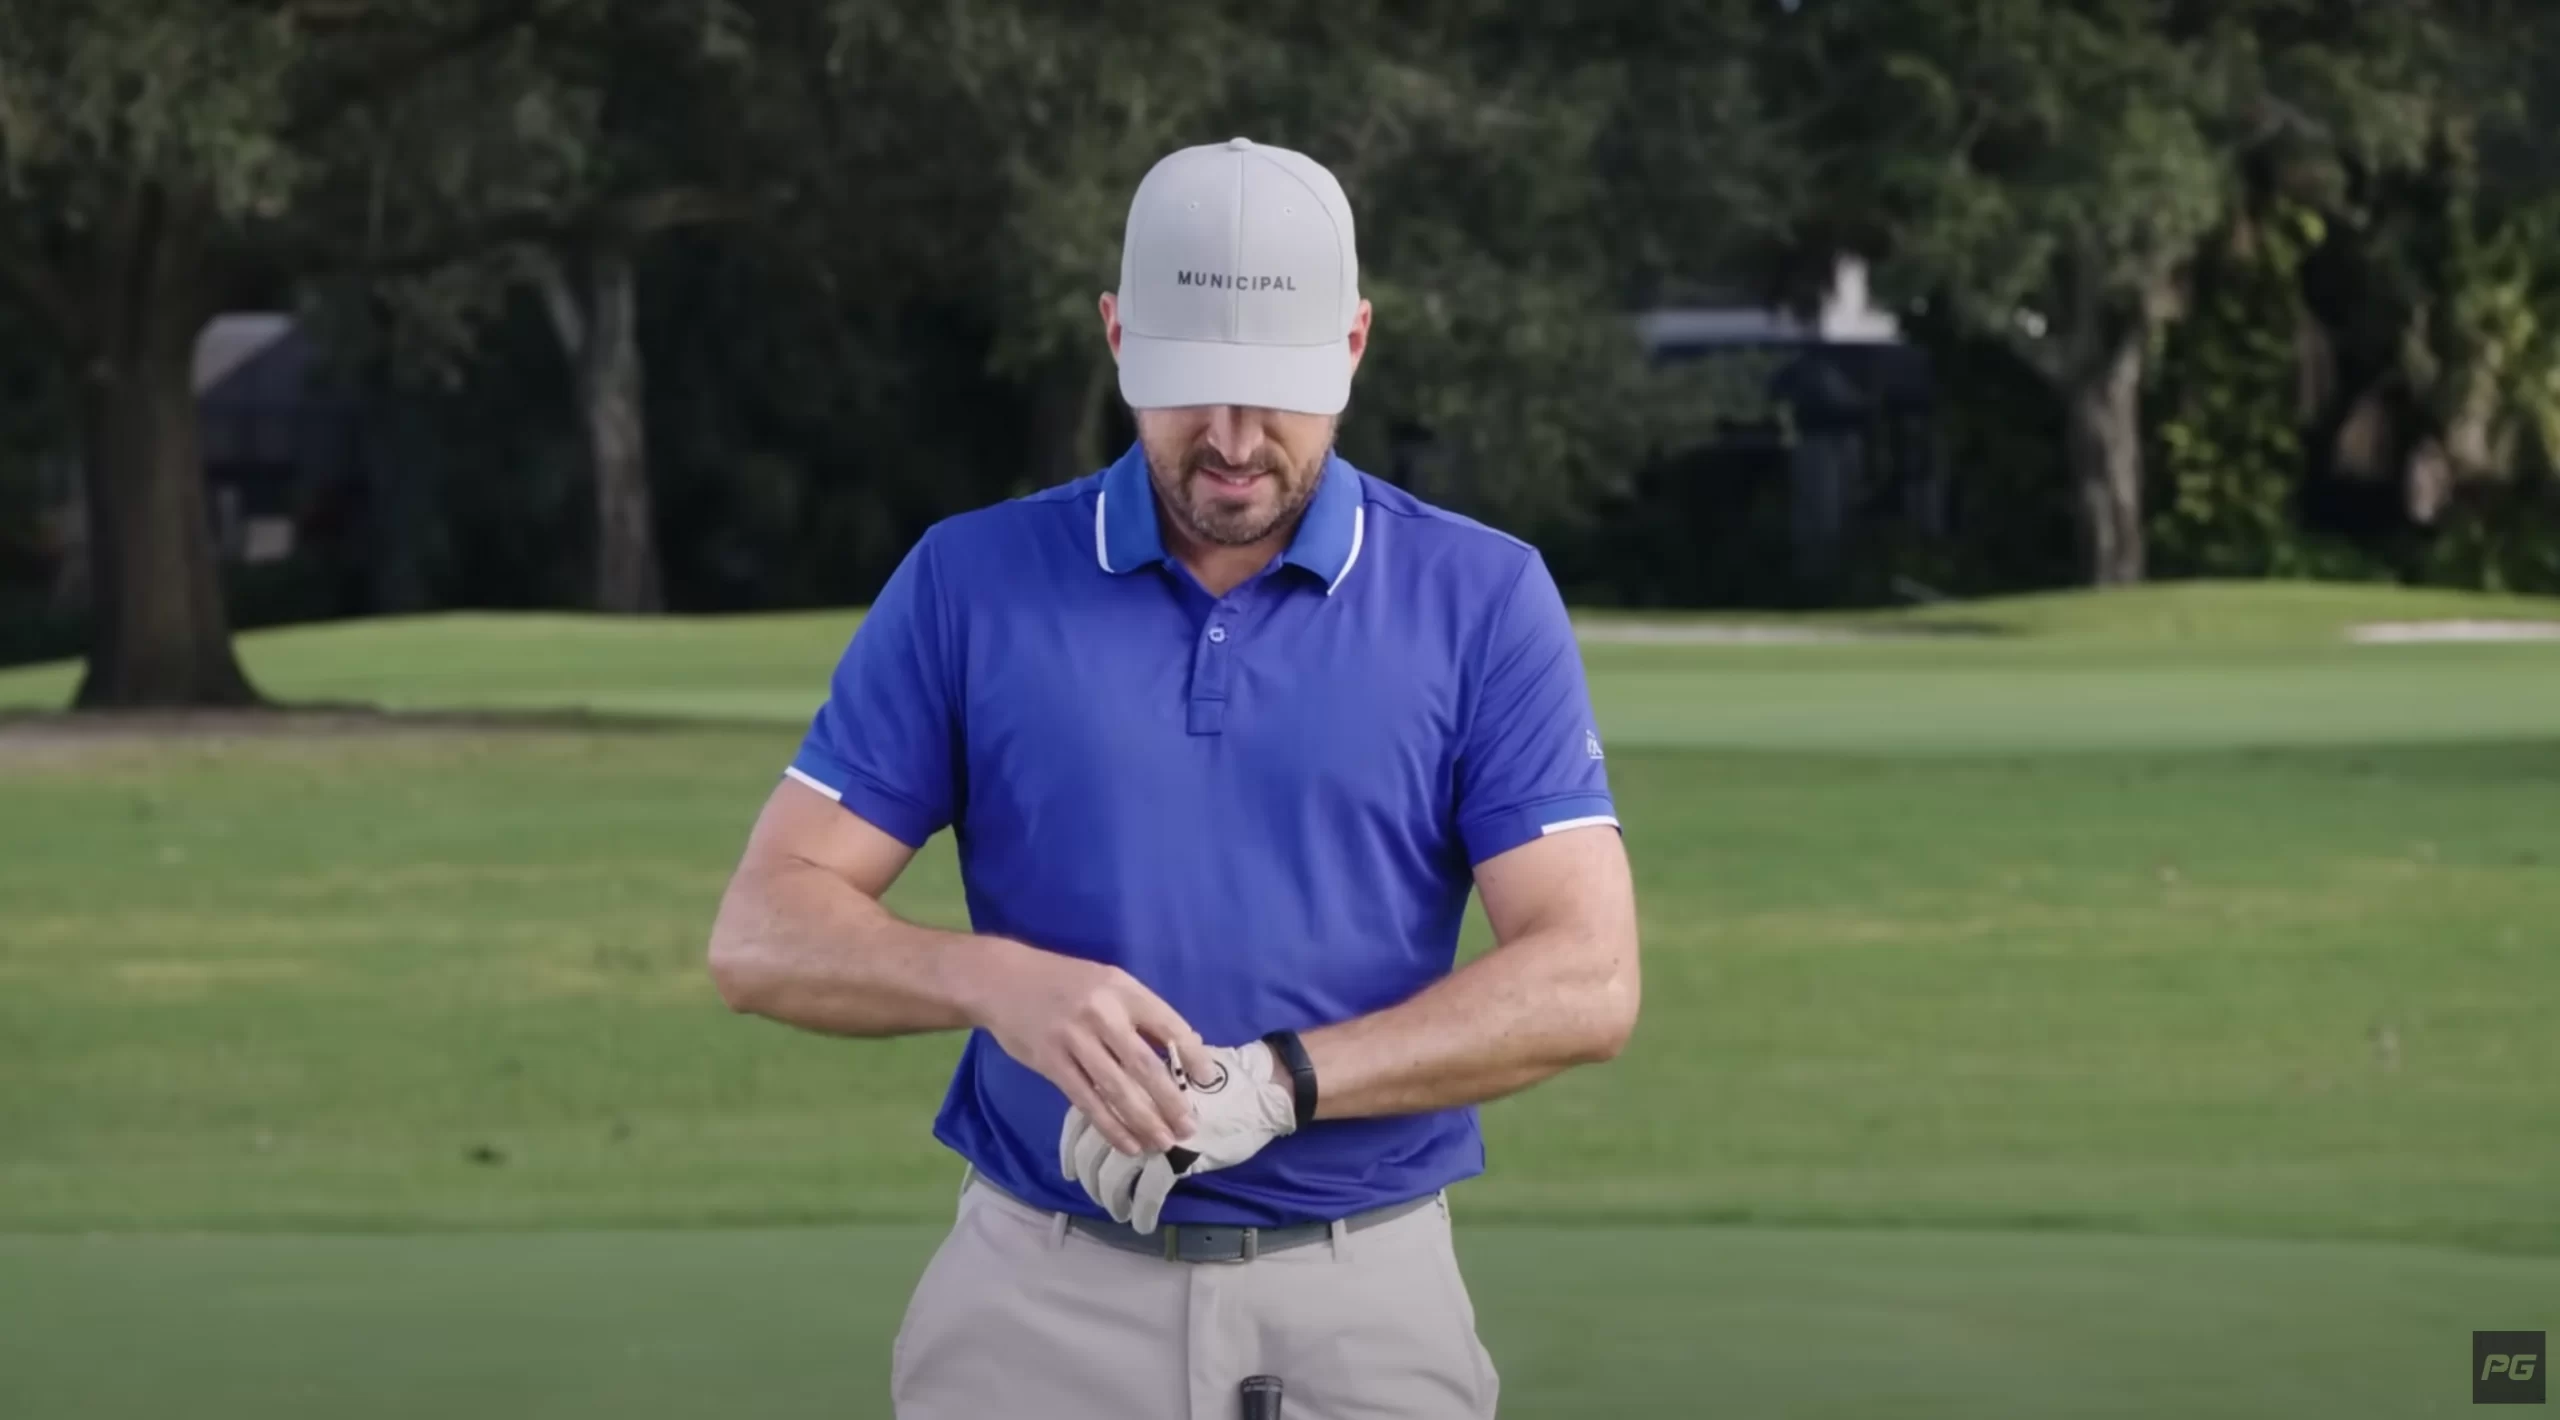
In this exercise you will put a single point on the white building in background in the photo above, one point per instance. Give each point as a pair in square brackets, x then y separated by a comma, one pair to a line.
[1845, 317]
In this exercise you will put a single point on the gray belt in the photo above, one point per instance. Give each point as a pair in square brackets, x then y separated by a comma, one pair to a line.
[1219, 1242]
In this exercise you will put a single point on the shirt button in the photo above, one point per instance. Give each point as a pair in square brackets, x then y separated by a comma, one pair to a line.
[1217, 634]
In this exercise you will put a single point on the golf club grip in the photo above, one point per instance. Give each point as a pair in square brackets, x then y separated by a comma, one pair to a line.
[1261, 1397]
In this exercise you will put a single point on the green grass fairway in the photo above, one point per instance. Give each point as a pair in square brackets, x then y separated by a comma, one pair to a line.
[1584, 1323]
[2297, 993]
[2148, 1009]
[2177, 666]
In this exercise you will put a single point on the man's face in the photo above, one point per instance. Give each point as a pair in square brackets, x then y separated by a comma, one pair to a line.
[1233, 476]
[1229, 475]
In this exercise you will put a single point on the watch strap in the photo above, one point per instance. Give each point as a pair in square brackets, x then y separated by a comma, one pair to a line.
[1291, 1054]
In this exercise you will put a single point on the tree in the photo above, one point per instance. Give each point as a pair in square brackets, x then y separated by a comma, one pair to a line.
[154, 155]
[1469, 137]
[1068, 108]
[2432, 308]
[556, 172]
[2048, 171]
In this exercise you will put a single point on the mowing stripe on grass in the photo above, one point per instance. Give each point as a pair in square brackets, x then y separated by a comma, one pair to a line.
[1584, 1324]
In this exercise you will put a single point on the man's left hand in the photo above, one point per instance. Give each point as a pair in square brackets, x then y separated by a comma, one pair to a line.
[1242, 1101]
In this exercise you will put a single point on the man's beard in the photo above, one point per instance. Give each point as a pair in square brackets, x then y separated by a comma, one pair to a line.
[1226, 524]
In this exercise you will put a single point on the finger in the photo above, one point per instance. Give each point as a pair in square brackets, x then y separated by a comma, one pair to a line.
[1157, 1022]
[1124, 1112]
[1161, 1024]
[1092, 1153]
[1146, 1201]
[1163, 1091]
[1120, 1174]
[1083, 1094]
[1139, 1087]
[1075, 1127]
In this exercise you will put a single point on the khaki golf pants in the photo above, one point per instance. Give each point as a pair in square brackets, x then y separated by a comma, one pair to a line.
[1017, 1316]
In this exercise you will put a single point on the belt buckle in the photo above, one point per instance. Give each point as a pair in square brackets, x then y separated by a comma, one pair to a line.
[1173, 1242]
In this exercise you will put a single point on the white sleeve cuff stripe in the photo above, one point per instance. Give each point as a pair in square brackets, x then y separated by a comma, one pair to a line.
[796, 772]
[1594, 821]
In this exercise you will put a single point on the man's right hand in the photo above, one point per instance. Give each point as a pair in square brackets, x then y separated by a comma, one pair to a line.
[1095, 1032]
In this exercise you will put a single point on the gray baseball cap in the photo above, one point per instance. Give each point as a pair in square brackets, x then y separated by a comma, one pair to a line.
[1239, 282]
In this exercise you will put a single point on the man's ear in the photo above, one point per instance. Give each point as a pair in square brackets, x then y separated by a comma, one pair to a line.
[1359, 335]
[1110, 307]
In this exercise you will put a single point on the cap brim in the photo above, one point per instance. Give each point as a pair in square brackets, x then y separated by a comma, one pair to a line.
[1156, 373]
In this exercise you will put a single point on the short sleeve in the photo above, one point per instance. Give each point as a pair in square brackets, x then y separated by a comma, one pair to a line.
[885, 743]
[1531, 762]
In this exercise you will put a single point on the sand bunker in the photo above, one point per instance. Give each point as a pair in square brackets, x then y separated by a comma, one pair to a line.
[2405, 632]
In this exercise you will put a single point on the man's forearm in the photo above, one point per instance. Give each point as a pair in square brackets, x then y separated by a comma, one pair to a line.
[1527, 1010]
[799, 945]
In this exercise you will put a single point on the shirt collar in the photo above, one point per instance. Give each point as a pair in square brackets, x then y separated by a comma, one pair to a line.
[1327, 543]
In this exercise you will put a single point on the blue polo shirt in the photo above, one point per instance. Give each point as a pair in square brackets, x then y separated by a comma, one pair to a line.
[1266, 806]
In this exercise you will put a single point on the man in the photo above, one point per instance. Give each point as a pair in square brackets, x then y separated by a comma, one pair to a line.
[1226, 732]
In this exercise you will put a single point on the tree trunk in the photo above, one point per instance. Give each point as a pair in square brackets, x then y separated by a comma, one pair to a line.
[159, 635]
[2103, 437]
[601, 336]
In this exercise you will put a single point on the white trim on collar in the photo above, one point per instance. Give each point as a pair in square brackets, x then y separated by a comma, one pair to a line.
[1101, 549]
[1359, 525]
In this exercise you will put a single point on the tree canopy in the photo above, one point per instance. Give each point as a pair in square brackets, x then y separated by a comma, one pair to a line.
[697, 303]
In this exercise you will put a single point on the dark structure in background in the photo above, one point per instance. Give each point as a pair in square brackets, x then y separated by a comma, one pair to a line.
[305, 519]
[307, 504]
[283, 457]
[1792, 508]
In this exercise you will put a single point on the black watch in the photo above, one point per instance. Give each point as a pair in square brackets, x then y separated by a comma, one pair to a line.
[1291, 1054]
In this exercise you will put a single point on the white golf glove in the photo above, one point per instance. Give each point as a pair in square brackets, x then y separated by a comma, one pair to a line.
[1248, 1102]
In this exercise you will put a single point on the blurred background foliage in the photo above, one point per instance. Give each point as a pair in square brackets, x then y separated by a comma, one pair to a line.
[2267, 289]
